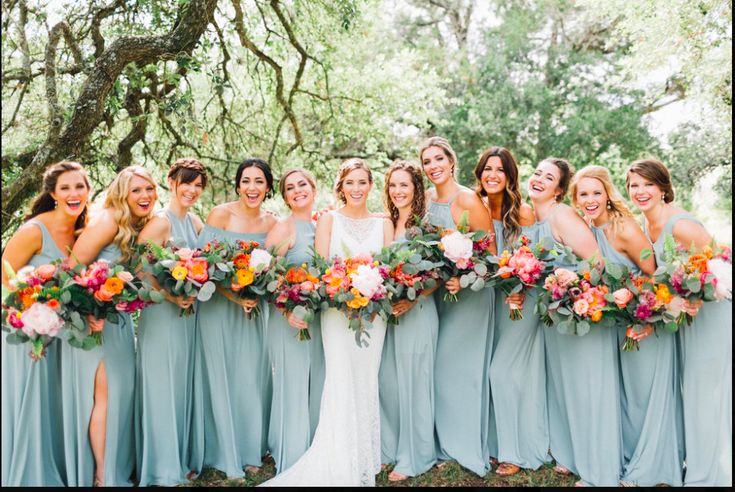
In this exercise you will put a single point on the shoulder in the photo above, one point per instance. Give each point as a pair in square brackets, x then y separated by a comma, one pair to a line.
[269, 219]
[103, 222]
[565, 212]
[325, 220]
[430, 194]
[468, 199]
[159, 223]
[526, 215]
[630, 228]
[197, 221]
[29, 233]
[219, 216]
[284, 225]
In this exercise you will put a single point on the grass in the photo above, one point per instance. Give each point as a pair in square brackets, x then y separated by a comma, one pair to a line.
[450, 475]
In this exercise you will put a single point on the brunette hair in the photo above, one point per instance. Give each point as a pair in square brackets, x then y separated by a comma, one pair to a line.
[418, 205]
[616, 207]
[346, 168]
[510, 211]
[282, 182]
[260, 164]
[45, 202]
[566, 170]
[187, 169]
[443, 144]
[654, 171]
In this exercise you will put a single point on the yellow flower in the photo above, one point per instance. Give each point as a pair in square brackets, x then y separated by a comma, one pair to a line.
[179, 273]
[359, 301]
[596, 316]
[244, 277]
[663, 294]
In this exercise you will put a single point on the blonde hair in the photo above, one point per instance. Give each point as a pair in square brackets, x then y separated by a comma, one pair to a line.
[443, 144]
[418, 205]
[307, 176]
[616, 207]
[117, 199]
[346, 168]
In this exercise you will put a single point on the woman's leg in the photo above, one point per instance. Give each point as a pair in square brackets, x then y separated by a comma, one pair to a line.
[98, 423]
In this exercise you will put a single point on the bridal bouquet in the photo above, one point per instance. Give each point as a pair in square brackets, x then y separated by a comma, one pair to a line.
[519, 270]
[32, 312]
[297, 291]
[252, 271]
[103, 290]
[573, 302]
[357, 286]
[185, 272]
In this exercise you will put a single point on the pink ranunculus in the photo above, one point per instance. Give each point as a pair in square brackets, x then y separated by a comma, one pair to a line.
[565, 277]
[581, 307]
[125, 276]
[14, 319]
[185, 253]
[42, 320]
[622, 297]
[675, 306]
[307, 286]
[46, 272]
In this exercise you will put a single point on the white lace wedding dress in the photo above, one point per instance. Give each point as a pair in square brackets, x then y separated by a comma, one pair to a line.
[346, 445]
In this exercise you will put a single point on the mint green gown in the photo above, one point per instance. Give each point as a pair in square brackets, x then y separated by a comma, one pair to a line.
[165, 371]
[705, 360]
[32, 438]
[583, 398]
[406, 381]
[518, 378]
[78, 368]
[297, 368]
[461, 369]
[232, 380]
[649, 392]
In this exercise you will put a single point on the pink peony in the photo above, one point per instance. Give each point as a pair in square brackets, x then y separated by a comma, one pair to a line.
[185, 254]
[125, 276]
[581, 306]
[39, 319]
[675, 306]
[622, 297]
[45, 272]
[307, 286]
[565, 277]
[458, 248]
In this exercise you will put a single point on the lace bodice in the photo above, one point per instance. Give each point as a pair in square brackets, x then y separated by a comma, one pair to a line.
[353, 236]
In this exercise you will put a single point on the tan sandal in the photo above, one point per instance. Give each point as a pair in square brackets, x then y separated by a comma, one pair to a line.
[507, 469]
[394, 476]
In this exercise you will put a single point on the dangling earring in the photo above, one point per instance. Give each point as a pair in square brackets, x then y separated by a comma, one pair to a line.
[56, 204]
[609, 204]
[663, 198]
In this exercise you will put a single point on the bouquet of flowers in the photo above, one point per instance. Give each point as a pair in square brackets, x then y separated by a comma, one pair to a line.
[251, 271]
[32, 313]
[409, 273]
[574, 301]
[519, 270]
[185, 272]
[356, 285]
[297, 291]
[103, 290]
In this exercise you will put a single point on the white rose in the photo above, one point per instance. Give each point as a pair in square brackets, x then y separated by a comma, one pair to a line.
[42, 320]
[457, 247]
[367, 280]
[723, 272]
[260, 260]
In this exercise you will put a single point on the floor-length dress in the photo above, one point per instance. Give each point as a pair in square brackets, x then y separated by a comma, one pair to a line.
[649, 392]
[518, 377]
[705, 359]
[232, 381]
[78, 368]
[407, 389]
[583, 398]
[297, 369]
[32, 439]
[163, 393]
[461, 369]
[346, 446]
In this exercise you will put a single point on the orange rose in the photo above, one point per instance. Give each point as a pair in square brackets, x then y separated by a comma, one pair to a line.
[53, 304]
[104, 295]
[596, 316]
[114, 285]
[587, 275]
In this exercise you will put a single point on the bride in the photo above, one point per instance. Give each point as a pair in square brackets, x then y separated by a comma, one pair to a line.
[346, 445]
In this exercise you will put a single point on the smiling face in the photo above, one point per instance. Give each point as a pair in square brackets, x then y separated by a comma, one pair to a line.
[356, 188]
[493, 178]
[401, 189]
[591, 198]
[299, 193]
[437, 166]
[141, 196]
[187, 194]
[644, 193]
[71, 192]
[543, 185]
[252, 187]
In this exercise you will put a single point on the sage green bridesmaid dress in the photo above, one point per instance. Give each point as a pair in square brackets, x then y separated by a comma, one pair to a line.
[297, 377]
[705, 359]
[78, 369]
[232, 379]
[32, 438]
[165, 372]
[461, 368]
[406, 382]
[518, 378]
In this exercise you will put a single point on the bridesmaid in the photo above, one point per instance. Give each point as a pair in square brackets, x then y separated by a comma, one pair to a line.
[648, 384]
[407, 364]
[517, 370]
[462, 386]
[98, 385]
[582, 382]
[166, 344]
[232, 381]
[32, 440]
[705, 347]
[297, 366]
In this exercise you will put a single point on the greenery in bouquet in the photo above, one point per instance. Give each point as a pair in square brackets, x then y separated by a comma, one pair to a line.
[252, 271]
[297, 291]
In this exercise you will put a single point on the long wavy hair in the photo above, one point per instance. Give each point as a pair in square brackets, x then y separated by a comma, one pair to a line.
[44, 202]
[418, 205]
[117, 199]
[616, 207]
[443, 144]
[510, 211]
[346, 168]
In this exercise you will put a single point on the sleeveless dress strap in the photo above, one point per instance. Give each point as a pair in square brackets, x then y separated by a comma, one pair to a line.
[47, 241]
[669, 226]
